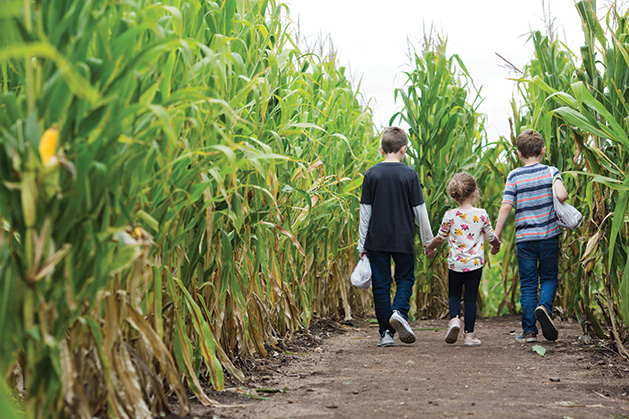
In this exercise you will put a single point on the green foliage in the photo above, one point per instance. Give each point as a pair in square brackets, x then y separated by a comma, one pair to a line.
[9, 408]
[201, 202]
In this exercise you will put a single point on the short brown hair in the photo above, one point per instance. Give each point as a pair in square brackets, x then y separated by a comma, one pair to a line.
[530, 143]
[393, 139]
[461, 186]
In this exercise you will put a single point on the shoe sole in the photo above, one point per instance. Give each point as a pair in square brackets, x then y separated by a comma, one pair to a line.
[526, 340]
[405, 335]
[472, 344]
[548, 327]
[385, 345]
[453, 334]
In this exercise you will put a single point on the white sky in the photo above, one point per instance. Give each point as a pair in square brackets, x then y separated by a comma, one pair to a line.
[371, 36]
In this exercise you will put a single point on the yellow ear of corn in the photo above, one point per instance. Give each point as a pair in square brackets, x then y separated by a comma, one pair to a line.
[48, 143]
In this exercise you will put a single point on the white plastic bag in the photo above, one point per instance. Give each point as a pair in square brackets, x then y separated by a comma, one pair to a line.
[567, 215]
[361, 277]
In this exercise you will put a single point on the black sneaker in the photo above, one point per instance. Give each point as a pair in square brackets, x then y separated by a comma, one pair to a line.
[548, 327]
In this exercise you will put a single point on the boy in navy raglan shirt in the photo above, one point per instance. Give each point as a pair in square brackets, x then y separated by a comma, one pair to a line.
[391, 201]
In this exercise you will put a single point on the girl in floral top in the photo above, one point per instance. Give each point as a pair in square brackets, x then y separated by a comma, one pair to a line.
[465, 228]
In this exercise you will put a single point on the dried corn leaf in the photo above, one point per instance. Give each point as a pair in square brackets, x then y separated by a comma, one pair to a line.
[73, 394]
[162, 355]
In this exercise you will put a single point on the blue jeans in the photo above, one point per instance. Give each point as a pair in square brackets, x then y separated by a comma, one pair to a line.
[471, 280]
[381, 285]
[538, 263]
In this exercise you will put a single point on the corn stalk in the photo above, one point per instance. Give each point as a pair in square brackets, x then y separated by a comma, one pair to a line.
[185, 191]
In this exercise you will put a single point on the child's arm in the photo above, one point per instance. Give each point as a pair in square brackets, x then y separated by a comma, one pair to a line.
[490, 235]
[444, 230]
[365, 218]
[495, 245]
[421, 216]
[503, 215]
[431, 248]
[560, 191]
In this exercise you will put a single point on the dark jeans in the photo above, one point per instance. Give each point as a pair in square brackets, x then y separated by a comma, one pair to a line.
[381, 285]
[538, 263]
[471, 280]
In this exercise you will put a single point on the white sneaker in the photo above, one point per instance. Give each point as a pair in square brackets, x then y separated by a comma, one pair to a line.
[470, 340]
[386, 339]
[453, 330]
[401, 326]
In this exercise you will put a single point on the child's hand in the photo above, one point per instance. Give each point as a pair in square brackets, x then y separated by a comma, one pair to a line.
[430, 252]
[495, 248]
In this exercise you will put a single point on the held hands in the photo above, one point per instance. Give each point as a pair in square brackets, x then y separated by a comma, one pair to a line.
[430, 252]
[430, 249]
[495, 246]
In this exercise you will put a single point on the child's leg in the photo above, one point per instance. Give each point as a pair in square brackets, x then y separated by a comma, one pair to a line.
[404, 279]
[548, 271]
[528, 255]
[381, 287]
[472, 281]
[455, 287]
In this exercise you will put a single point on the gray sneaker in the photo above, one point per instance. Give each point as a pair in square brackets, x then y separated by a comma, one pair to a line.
[401, 326]
[386, 339]
[526, 338]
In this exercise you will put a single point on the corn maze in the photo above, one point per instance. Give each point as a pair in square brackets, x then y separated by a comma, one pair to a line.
[180, 183]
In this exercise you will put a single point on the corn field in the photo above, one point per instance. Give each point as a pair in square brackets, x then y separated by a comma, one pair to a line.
[180, 185]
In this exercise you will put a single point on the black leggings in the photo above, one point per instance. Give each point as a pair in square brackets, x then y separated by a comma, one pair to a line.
[455, 286]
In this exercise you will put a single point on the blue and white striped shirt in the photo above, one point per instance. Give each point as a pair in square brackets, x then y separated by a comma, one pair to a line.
[528, 189]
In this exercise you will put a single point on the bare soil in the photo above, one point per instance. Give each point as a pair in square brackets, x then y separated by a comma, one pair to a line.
[337, 371]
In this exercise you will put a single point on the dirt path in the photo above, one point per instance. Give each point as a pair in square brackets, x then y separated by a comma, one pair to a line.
[348, 376]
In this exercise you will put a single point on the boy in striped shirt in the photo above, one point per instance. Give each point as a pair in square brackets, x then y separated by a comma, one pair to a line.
[528, 190]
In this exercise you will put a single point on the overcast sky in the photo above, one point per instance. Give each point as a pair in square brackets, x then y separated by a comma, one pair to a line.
[371, 39]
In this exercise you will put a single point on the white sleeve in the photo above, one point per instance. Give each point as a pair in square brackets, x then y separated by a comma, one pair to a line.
[421, 216]
[365, 217]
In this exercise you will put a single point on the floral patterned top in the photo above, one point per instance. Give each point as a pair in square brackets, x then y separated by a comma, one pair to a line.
[465, 231]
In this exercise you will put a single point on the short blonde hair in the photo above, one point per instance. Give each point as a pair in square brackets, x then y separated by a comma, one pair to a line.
[461, 186]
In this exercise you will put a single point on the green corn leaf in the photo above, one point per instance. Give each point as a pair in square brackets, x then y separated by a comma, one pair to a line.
[73, 78]
[618, 221]
[624, 291]
[540, 350]
[579, 121]
[9, 408]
